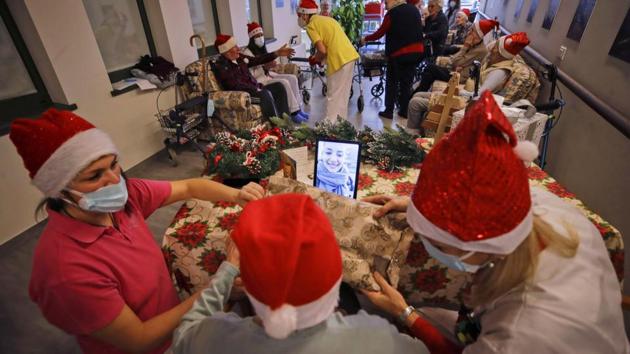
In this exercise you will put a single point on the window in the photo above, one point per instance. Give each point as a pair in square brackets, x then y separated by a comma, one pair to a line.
[122, 32]
[205, 21]
[22, 92]
[252, 7]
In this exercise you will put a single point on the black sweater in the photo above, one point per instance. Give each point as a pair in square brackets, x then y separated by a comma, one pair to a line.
[436, 29]
[405, 28]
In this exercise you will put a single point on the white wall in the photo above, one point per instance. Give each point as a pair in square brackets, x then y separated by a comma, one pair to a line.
[65, 50]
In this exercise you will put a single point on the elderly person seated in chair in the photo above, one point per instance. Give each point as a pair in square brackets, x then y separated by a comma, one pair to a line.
[459, 30]
[503, 72]
[473, 49]
[265, 73]
[436, 26]
[294, 295]
[232, 70]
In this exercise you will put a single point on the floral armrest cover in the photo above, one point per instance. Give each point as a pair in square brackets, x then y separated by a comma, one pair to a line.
[360, 236]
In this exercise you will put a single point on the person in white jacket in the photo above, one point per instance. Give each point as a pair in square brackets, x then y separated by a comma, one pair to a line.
[542, 279]
[264, 74]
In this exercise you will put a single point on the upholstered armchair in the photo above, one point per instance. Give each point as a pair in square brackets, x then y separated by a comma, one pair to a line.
[232, 108]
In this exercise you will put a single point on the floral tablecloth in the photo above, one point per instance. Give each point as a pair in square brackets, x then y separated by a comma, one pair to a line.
[193, 257]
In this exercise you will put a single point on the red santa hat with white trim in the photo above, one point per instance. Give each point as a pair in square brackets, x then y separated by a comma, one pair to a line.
[473, 192]
[512, 44]
[57, 146]
[483, 27]
[253, 29]
[224, 42]
[308, 7]
[290, 262]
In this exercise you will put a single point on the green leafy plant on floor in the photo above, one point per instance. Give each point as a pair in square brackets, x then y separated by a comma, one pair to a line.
[349, 14]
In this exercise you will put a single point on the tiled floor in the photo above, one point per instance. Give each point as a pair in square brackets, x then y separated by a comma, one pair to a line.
[22, 327]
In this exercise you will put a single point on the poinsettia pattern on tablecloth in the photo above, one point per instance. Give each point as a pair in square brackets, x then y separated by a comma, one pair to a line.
[194, 244]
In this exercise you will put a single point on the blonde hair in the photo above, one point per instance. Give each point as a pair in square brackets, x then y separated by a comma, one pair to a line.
[518, 268]
[439, 3]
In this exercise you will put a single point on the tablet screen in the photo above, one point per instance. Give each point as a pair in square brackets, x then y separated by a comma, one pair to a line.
[337, 167]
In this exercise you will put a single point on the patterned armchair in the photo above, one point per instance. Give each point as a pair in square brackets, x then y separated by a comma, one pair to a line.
[234, 108]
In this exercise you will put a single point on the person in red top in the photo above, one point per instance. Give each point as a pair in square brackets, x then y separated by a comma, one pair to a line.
[404, 49]
[541, 278]
[98, 274]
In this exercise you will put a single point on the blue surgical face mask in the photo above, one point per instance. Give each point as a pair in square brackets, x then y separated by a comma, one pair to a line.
[108, 199]
[450, 260]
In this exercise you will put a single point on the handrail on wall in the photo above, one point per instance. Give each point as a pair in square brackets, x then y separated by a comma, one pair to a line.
[612, 116]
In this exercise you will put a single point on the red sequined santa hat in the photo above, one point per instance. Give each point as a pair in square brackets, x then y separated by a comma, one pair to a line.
[290, 262]
[512, 44]
[467, 13]
[224, 42]
[308, 7]
[253, 29]
[57, 146]
[473, 193]
[483, 27]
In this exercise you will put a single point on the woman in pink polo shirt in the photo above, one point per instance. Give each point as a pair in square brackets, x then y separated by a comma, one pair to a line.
[98, 273]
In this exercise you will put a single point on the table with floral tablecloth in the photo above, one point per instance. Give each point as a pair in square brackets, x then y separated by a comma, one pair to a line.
[194, 243]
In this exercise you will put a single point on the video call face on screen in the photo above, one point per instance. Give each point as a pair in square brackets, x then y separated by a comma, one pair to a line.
[337, 167]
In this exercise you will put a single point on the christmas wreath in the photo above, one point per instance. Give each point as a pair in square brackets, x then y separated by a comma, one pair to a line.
[246, 154]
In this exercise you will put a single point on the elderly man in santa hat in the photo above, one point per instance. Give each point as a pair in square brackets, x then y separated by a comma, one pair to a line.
[503, 72]
[290, 265]
[232, 71]
[472, 49]
[333, 45]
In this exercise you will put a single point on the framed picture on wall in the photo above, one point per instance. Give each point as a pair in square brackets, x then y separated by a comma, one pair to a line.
[552, 10]
[621, 46]
[580, 19]
[519, 8]
[532, 11]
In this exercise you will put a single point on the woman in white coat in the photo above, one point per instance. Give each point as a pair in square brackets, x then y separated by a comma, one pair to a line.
[264, 74]
[542, 279]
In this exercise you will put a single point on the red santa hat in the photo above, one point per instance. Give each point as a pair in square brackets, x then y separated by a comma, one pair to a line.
[290, 262]
[57, 146]
[473, 193]
[467, 13]
[308, 7]
[483, 27]
[253, 29]
[224, 42]
[512, 44]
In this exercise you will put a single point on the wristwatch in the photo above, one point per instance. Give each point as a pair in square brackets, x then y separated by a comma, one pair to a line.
[405, 314]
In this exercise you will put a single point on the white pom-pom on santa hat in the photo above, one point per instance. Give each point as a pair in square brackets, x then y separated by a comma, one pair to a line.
[526, 151]
[281, 322]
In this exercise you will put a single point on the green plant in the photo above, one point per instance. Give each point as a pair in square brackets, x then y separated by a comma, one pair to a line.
[349, 14]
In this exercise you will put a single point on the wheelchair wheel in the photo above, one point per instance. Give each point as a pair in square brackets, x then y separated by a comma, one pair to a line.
[360, 104]
[377, 90]
[306, 96]
[324, 90]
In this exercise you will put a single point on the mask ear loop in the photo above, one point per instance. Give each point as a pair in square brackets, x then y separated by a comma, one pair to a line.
[467, 255]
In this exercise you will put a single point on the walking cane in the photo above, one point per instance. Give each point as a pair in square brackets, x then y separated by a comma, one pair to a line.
[204, 69]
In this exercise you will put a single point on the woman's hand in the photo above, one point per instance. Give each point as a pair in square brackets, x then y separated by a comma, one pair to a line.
[249, 192]
[388, 203]
[388, 299]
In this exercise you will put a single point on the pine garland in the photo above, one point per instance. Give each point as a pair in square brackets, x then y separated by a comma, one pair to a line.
[389, 150]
